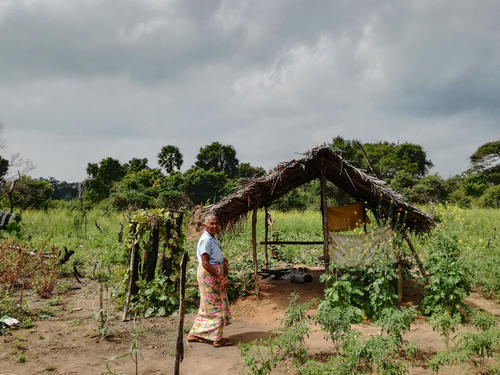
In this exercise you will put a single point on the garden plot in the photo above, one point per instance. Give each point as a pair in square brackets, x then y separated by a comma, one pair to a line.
[67, 342]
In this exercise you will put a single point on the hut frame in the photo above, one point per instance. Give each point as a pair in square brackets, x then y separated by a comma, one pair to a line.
[323, 164]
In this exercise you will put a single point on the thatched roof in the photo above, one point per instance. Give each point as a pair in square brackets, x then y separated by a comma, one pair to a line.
[262, 191]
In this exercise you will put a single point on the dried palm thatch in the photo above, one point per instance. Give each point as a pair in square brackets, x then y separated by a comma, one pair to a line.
[385, 204]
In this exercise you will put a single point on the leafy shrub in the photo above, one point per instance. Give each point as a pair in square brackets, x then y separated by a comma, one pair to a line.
[445, 323]
[449, 276]
[154, 298]
[375, 352]
[395, 322]
[241, 281]
[471, 347]
[491, 197]
[371, 288]
[336, 321]
[483, 320]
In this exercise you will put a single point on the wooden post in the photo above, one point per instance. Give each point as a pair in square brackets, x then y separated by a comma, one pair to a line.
[324, 212]
[415, 256]
[179, 348]
[266, 231]
[133, 275]
[254, 251]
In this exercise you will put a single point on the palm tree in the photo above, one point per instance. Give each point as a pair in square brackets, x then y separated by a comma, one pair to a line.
[170, 158]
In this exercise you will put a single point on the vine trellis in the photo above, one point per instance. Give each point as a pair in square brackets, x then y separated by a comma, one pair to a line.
[146, 232]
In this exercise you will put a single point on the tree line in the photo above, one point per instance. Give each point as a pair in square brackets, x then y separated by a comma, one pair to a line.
[217, 172]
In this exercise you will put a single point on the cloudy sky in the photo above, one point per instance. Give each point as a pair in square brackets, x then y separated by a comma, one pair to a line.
[81, 80]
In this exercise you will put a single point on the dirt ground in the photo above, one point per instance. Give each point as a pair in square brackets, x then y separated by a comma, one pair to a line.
[66, 343]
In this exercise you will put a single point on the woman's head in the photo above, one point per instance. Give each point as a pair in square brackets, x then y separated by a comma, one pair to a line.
[211, 224]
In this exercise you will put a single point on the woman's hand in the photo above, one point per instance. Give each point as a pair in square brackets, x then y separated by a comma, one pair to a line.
[225, 267]
[224, 283]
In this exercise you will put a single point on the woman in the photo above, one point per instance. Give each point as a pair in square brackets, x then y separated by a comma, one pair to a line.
[214, 312]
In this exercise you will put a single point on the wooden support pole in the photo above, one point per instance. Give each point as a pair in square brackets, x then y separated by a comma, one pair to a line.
[291, 242]
[366, 158]
[415, 256]
[266, 231]
[324, 212]
[179, 348]
[133, 276]
[254, 251]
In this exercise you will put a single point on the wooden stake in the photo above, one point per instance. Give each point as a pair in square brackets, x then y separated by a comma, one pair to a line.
[179, 348]
[265, 236]
[254, 251]
[133, 275]
[366, 158]
[324, 212]
[415, 256]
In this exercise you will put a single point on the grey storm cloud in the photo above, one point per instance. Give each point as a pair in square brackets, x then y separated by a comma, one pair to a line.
[97, 78]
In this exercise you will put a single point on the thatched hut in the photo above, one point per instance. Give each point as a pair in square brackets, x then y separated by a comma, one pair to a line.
[323, 164]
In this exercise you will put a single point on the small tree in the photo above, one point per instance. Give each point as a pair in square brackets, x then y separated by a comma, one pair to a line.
[102, 176]
[219, 158]
[31, 193]
[245, 170]
[201, 185]
[136, 164]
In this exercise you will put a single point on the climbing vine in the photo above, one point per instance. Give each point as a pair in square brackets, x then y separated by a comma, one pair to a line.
[157, 238]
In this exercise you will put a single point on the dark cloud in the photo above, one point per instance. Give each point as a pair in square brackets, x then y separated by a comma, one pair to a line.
[104, 78]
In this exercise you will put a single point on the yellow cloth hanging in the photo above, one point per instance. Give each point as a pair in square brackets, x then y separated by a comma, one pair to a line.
[346, 218]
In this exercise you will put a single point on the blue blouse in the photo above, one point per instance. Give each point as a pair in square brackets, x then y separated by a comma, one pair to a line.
[209, 245]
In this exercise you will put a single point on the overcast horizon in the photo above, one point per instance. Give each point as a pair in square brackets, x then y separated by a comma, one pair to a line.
[84, 80]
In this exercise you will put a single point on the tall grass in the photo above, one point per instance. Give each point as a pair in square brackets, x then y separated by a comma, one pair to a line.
[65, 227]
[476, 231]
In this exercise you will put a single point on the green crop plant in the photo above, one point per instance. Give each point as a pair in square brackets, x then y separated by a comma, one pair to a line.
[395, 322]
[471, 347]
[133, 352]
[449, 276]
[370, 288]
[445, 323]
[483, 320]
[261, 356]
[21, 358]
[337, 320]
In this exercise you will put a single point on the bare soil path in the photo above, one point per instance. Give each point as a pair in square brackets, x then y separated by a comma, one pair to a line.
[66, 343]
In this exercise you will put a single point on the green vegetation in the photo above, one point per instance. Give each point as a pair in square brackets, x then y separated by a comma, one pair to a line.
[450, 281]
[462, 253]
